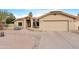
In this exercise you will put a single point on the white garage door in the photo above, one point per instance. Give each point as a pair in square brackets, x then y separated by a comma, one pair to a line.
[55, 25]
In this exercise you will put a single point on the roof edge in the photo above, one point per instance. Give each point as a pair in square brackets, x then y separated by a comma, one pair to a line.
[59, 12]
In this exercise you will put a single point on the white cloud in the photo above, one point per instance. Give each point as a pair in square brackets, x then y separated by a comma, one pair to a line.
[19, 16]
[39, 13]
[44, 12]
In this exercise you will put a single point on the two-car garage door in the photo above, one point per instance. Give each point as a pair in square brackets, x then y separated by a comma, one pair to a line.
[55, 25]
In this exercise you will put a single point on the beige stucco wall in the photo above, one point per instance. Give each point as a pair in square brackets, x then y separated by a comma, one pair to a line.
[24, 24]
[16, 23]
[48, 26]
[76, 23]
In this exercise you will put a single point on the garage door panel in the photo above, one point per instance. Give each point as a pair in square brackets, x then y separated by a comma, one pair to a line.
[55, 25]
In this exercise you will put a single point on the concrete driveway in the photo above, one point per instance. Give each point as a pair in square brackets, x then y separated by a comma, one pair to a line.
[26, 39]
[59, 40]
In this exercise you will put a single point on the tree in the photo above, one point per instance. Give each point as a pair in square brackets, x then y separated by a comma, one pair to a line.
[3, 15]
[10, 19]
[30, 14]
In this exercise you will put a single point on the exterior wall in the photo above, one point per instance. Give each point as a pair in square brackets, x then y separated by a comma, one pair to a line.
[76, 25]
[24, 23]
[16, 23]
[10, 26]
[55, 17]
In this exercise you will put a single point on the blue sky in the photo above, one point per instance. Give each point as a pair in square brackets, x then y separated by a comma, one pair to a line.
[37, 12]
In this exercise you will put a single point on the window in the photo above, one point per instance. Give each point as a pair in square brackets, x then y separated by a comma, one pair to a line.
[20, 24]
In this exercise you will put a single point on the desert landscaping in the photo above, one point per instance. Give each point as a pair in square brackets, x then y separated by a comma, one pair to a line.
[27, 39]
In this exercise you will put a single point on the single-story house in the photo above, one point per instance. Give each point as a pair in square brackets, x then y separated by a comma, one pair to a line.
[51, 21]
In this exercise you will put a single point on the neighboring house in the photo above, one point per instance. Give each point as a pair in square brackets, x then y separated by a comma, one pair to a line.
[52, 21]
